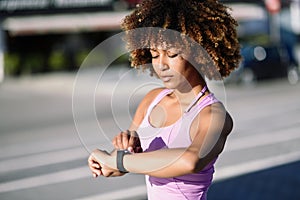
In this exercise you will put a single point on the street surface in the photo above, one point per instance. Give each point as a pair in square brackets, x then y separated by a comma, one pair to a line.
[46, 137]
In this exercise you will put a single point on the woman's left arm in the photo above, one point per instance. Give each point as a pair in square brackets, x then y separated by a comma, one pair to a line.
[208, 141]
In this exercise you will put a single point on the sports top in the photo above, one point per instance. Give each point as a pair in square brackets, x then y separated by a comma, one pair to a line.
[191, 186]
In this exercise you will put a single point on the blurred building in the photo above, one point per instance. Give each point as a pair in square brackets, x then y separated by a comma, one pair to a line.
[46, 35]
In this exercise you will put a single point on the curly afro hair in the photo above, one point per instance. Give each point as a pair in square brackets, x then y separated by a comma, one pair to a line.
[205, 22]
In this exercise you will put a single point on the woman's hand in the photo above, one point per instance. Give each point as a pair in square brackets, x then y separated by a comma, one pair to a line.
[94, 166]
[102, 163]
[128, 140]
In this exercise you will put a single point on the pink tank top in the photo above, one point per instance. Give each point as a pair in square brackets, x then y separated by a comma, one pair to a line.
[177, 135]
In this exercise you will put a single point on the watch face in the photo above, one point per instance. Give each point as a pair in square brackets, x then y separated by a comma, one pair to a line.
[125, 151]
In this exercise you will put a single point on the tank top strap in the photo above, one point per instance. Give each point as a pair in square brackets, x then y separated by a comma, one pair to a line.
[196, 99]
[207, 100]
[210, 99]
[181, 137]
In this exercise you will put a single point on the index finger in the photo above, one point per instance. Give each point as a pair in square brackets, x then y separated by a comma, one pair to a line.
[121, 140]
[125, 139]
[132, 138]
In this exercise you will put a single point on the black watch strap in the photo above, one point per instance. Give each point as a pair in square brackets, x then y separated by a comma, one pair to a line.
[120, 156]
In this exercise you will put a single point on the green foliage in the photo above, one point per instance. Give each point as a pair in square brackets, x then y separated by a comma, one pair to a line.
[80, 57]
[33, 63]
[91, 58]
[36, 62]
[122, 59]
[11, 63]
[57, 61]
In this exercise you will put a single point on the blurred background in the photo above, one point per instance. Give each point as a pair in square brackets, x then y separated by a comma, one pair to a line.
[43, 43]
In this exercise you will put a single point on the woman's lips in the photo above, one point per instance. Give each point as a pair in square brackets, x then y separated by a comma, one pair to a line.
[166, 78]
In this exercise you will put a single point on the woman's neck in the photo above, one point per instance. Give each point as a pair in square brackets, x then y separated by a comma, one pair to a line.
[186, 96]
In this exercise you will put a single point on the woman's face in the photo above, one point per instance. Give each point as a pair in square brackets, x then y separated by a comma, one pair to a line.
[171, 67]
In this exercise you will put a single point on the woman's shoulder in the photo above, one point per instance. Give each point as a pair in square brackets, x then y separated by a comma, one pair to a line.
[150, 96]
[218, 111]
[143, 106]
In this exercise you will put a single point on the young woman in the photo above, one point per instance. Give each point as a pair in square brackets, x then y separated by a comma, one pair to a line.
[178, 131]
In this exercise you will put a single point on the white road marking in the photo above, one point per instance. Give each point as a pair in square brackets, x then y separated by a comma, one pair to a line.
[221, 174]
[42, 159]
[83, 172]
[47, 179]
[257, 140]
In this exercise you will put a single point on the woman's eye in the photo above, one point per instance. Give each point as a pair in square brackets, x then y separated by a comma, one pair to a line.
[154, 55]
[173, 55]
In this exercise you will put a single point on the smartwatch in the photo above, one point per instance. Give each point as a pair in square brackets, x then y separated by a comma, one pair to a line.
[120, 156]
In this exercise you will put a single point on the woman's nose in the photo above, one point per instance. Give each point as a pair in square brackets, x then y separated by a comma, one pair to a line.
[163, 65]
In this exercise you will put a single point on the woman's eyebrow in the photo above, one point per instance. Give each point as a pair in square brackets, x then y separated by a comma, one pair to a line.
[154, 50]
[174, 50]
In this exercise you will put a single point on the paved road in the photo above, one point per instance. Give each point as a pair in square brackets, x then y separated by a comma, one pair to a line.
[43, 154]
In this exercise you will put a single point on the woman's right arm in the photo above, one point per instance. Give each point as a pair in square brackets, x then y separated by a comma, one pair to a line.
[126, 140]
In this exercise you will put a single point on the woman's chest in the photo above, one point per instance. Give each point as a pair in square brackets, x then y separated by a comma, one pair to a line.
[165, 114]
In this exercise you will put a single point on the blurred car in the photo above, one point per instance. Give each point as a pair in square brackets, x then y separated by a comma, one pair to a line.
[265, 55]
[263, 62]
